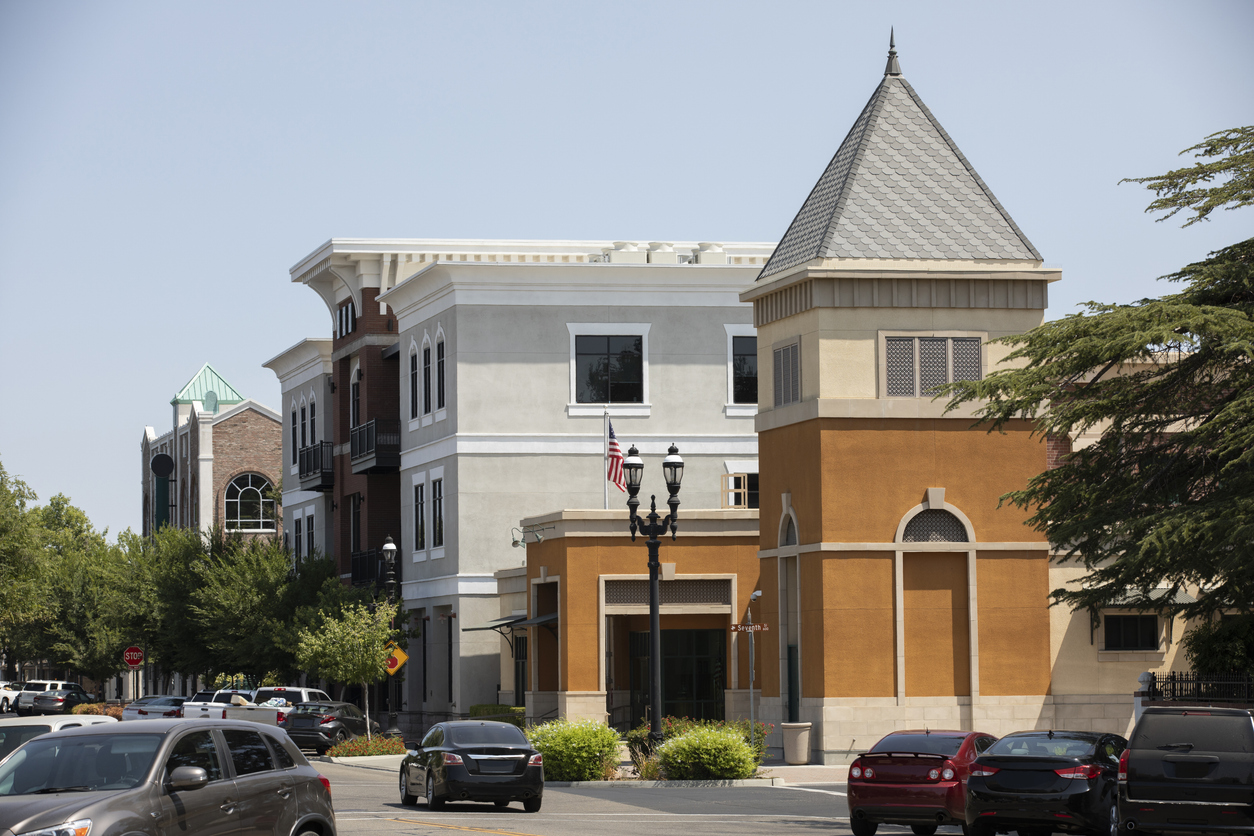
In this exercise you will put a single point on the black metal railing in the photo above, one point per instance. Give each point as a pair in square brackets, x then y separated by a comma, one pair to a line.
[316, 459]
[380, 436]
[365, 567]
[1193, 687]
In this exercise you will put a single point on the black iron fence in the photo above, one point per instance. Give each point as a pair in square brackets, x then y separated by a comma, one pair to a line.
[1192, 687]
[375, 437]
[316, 459]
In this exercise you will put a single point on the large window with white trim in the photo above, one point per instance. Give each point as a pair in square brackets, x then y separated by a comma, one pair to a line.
[437, 513]
[745, 370]
[609, 369]
[248, 507]
[413, 384]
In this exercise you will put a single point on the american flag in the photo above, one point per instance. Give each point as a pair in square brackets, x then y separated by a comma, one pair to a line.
[615, 454]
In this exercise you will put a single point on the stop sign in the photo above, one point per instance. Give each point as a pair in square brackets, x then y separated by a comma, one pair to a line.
[133, 656]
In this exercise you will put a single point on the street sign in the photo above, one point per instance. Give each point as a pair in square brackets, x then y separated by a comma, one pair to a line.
[749, 628]
[133, 657]
[397, 659]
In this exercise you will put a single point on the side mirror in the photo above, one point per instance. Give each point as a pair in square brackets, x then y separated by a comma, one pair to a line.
[188, 778]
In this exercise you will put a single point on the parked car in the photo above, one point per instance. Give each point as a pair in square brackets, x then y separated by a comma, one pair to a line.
[152, 707]
[291, 694]
[1189, 770]
[168, 776]
[14, 731]
[26, 700]
[321, 725]
[1040, 782]
[222, 697]
[469, 760]
[916, 778]
[9, 692]
[58, 702]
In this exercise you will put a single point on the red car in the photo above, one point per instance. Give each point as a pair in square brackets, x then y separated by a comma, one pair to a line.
[915, 778]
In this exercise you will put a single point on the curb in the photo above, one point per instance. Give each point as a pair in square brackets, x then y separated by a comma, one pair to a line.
[379, 763]
[650, 785]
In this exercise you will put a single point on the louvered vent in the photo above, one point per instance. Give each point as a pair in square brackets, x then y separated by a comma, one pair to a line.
[684, 591]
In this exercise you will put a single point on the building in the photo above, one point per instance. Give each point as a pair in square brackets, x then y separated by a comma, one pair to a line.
[468, 384]
[223, 462]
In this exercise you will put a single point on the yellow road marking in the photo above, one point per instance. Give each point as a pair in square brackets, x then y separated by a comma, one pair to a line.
[462, 827]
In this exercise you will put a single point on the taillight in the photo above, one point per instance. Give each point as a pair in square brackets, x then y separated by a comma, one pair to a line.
[450, 758]
[947, 771]
[934, 774]
[327, 718]
[536, 760]
[141, 711]
[173, 712]
[325, 783]
[855, 771]
[868, 772]
[280, 718]
[984, 771]
[1085, 771]
[1123, 767]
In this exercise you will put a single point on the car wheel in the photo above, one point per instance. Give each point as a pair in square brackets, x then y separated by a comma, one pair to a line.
[1114, 818]
[406, 799]
[862, 827]
[340, 737]
[4, 705]
[433, 803]
[532, 805]
[923, 829]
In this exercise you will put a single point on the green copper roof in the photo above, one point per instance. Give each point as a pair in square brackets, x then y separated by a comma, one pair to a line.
[205, 381]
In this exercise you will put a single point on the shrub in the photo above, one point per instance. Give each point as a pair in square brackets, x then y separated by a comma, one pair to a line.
[582, 750]
[113, 710]
[515, 714]
[88, 708]
[360, 746]
[641, 750]
[705, 753]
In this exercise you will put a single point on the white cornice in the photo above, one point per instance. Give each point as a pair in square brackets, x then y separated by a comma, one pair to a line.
[307, 355]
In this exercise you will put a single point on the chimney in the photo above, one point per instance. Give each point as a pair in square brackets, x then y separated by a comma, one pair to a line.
[662, 252]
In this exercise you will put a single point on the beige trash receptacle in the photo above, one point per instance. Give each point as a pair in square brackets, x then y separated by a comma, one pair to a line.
[796, 742]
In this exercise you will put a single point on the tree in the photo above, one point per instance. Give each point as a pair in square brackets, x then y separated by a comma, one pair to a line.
[1165, 497]
[23, 587]
[350, 648]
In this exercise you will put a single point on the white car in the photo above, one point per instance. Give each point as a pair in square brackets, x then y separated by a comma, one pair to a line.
[9, 692]
[14, 731]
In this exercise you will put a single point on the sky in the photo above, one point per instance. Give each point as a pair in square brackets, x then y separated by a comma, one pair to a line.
[163, 165]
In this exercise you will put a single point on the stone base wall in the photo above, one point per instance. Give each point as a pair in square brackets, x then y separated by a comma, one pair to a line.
[842, 728]
[582, 705]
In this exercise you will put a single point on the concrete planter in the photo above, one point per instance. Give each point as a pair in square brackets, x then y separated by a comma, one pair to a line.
[796, 742]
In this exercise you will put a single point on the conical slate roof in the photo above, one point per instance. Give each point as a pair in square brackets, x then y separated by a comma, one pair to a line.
[205, 381]
[899, 187]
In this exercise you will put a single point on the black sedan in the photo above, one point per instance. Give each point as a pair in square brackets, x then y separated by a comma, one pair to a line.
[1040, 782]
[474, 760]
[321, 725]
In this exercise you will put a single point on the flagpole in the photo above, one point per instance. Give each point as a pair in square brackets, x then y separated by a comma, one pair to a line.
[605, 458]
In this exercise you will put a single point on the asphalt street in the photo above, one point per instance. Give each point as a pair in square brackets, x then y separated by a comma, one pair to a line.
[367, 802]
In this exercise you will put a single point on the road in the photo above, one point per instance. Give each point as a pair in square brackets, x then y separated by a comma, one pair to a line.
[366, 802]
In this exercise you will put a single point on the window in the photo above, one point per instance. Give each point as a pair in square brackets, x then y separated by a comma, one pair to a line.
[439, 375]
[354, 400]
[313, 422]
[740, 490]
[787, 375]
[280, 754]
[915, 366]
[345, 319]
[609, 369]
[247, 506]
[413, 385]
[295, 438]
[745, 370]
[437, 513]
[249, 753]
[304, 426]
[420, 521]
[195, 749]
[309, 535]
[296, 538]
[426, 379]
[1131, 632]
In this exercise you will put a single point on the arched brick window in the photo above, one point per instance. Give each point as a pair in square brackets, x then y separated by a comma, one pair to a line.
[247, 506]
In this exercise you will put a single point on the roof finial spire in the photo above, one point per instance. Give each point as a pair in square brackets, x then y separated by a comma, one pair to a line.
[893, 68]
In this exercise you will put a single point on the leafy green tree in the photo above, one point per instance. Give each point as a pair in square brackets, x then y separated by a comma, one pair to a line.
[350, 648]
[1225, 646]
[1165, 496]
[24, 595]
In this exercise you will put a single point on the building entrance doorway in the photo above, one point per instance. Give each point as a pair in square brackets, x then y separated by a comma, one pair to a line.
[693, 677]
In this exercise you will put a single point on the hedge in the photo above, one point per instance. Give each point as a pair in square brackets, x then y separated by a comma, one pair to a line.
[583, 750]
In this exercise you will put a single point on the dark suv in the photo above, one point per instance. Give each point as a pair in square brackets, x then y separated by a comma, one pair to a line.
[1189, 770]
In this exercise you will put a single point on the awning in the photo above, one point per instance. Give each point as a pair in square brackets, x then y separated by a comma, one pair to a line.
[1135, 600]
[539, 620]
[497, 624]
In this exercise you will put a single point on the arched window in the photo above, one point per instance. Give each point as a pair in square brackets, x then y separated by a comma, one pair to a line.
[789, 537]
[413, 381]
[247, 507]
[934, 525]
[439, 371]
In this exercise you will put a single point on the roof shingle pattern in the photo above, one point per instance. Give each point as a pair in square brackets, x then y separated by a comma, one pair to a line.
[899, 187]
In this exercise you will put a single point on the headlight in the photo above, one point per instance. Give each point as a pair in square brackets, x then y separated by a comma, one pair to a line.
[79, 827]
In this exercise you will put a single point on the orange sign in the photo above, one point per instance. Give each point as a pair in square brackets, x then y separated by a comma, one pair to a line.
[397, 659]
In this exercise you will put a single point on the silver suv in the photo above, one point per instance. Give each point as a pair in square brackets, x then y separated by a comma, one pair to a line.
[179, 776]
[26, 700]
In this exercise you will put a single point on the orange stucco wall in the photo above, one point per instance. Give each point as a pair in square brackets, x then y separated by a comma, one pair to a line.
[856, 623]
[937, 626]
[1013, 593]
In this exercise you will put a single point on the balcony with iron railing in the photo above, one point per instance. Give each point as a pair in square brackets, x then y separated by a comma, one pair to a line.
[366, 567]
[375, 446]
[317, 471]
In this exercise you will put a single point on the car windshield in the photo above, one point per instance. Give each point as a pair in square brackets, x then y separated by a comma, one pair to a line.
[503, 734]
[932, 744]
[13, 735]
[1043, 746]
[313, 708]
[79, 763]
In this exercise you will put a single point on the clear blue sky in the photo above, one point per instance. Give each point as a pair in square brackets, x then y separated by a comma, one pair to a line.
[162, 165]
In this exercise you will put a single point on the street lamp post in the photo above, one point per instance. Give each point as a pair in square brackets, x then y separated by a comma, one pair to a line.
[672, 473]
[389, 561]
